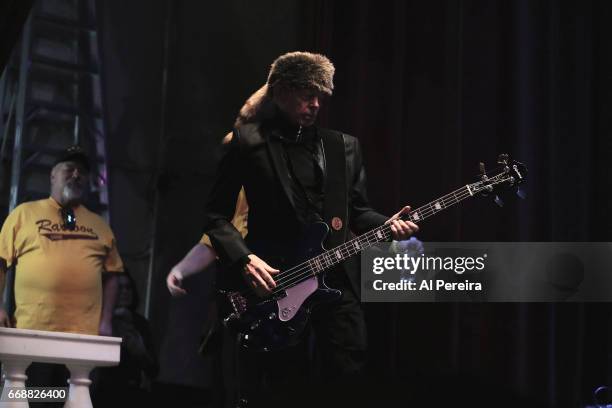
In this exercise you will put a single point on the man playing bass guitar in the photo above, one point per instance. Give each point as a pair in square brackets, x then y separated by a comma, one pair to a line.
[295, 174]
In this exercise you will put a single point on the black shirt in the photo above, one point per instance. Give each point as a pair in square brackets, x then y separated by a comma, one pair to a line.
[303, 154]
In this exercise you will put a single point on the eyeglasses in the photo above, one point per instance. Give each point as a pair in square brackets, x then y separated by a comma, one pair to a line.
[68, 218]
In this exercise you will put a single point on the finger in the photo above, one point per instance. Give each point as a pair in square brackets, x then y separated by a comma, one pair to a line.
[171, 287]
[173, 284]
[390, 220]
[404, 227]
[400, 226]
[176, 281]
[259, 281]
[414, 227]
[173, 277]
[402, 230]
[268, 278]
[268, 268]
[271, 270]
[395, 216]
[175, 291]
[396, 232]
[404, 210]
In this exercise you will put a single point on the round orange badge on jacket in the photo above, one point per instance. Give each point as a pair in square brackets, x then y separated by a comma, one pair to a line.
[336, 223]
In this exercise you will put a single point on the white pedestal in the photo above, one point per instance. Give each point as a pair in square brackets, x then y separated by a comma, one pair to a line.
[13, 372]
[79, 352]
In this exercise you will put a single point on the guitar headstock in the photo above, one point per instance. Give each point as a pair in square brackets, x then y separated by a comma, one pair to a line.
[509, 173]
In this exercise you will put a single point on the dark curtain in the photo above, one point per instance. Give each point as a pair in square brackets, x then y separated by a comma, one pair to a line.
[431, 89]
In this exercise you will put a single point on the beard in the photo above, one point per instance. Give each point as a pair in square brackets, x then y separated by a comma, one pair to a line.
[73, 193]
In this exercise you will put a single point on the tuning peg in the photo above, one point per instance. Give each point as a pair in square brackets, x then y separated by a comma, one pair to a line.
[498, 201]
[502, 159]
[481, 168]
[521, 193]
[483, 171]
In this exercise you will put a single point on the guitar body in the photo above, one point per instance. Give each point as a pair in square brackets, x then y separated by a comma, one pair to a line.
[277, 322]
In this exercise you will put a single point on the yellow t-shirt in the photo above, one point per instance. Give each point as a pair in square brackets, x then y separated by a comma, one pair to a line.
[58, 277]
[241, 216]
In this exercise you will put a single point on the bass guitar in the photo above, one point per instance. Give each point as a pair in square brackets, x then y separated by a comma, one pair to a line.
[278, 320]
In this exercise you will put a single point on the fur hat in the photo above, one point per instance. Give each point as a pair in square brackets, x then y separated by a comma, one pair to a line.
[303, 70]
[294, 69]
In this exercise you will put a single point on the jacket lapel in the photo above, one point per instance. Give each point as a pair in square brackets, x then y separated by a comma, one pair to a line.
[335, 201]
[276, 151]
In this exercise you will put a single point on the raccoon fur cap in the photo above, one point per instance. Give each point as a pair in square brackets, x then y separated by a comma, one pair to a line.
[294, 69]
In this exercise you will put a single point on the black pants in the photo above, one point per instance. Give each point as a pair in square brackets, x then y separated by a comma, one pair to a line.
[325, 369]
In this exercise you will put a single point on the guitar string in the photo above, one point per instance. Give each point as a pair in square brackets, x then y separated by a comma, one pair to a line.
[300, 271]
[303, 270]
[426, 211]
[458, 196]
[296, 273]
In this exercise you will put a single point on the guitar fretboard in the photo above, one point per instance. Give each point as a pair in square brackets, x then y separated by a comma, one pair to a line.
[332, 257]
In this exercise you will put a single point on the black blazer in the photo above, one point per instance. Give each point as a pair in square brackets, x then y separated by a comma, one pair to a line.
[254, 159]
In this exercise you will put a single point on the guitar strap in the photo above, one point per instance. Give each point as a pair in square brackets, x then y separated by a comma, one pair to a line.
[335, 201]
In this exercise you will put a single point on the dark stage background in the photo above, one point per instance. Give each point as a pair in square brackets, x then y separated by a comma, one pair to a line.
[430, 89]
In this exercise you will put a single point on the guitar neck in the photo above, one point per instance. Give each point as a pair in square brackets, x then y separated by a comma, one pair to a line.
[438, 205]
[511, 174]
[328, 259]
